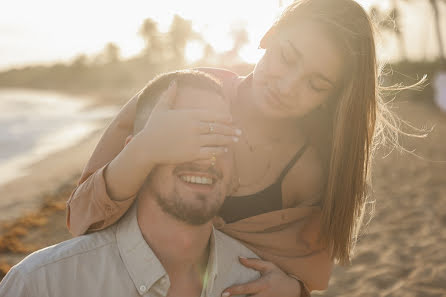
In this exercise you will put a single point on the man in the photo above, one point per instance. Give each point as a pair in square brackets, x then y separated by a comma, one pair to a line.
[165, 245]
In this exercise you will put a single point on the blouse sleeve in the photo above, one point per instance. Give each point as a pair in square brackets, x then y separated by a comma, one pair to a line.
[90, 207]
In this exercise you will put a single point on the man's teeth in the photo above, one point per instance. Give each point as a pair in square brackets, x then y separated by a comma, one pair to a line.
[197, 179]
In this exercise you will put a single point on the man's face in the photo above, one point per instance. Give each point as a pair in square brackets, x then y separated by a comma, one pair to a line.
[194, 192]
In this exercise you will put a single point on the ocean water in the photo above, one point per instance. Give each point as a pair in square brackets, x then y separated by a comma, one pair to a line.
[34, 124]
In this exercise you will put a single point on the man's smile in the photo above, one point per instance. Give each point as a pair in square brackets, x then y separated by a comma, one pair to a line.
[196, 179]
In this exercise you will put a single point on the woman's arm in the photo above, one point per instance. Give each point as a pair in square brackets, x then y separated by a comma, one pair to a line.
[90, 207]
[118, 167]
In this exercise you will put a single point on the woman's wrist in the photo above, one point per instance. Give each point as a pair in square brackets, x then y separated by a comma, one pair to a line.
[144, 153]
[126, 173]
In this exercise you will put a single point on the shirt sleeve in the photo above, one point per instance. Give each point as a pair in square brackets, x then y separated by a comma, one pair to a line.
[13, 284]
[90, 207]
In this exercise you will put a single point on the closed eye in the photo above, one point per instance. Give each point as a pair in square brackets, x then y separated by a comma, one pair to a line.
[317, 88]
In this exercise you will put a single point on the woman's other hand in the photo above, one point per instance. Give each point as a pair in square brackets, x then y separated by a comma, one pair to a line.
[273, 282]
[201, 133]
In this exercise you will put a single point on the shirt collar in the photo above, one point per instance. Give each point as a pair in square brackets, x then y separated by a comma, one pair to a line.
[212, 267]
[141, 262]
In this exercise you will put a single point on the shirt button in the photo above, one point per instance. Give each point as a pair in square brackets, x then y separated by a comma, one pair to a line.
[143, 289]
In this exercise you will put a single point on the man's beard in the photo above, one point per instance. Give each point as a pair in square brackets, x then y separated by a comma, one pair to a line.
[203, 210]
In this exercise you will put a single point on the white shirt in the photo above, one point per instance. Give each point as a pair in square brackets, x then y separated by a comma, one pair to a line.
[118, 262]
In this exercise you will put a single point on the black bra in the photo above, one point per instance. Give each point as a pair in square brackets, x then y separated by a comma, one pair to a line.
[236, 208]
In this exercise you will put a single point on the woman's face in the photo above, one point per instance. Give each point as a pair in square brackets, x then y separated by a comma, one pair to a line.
[299, 71]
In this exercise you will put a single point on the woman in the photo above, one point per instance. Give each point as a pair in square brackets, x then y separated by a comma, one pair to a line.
[303, 125]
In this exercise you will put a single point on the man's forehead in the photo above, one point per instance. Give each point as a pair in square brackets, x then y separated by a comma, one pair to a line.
[197, 98]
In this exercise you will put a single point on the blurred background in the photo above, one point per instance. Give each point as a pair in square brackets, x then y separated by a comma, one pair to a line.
[66, 67]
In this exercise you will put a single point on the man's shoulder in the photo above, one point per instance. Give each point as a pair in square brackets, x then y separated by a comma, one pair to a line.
[229, 269]
[232, 246]
[67, 250]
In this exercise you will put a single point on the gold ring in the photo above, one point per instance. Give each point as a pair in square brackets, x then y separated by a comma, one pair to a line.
[211, 127]
[213, 159]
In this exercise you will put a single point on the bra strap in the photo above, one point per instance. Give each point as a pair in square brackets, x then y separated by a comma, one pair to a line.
[293, 161]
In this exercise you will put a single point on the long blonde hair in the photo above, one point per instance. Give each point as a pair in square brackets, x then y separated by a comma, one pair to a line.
[345, 132]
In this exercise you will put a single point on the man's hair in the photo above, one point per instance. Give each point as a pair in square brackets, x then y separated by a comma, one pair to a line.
[152, 91]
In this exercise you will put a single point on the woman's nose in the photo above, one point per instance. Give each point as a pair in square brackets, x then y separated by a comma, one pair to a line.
[289, 81]
[287, 85]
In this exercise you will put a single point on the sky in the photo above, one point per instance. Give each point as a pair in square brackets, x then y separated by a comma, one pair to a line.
[47, 31]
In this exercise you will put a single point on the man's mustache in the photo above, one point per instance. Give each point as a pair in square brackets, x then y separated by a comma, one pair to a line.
[194, 167]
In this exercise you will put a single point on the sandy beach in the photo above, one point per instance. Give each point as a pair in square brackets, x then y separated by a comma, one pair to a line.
[402, 251]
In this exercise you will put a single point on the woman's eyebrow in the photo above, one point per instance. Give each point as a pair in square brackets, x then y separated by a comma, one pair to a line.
[301, 56]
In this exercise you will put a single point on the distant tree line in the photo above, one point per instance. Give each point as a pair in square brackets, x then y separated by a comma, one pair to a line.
[108, 71]
[164, 51]
[390, 21]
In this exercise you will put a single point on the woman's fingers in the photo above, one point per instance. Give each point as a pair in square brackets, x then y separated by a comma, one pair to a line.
[249, 288]
[207, 116]
[207, 153]
[217, 140]
[257, 264]
[272, 282]
[218, 128]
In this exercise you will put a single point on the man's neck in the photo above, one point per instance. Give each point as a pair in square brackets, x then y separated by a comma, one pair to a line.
[181, 248]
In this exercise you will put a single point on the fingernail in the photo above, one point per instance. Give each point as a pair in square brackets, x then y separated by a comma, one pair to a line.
[226, 294]
[235, 138]
[241, 257]
[238, 132]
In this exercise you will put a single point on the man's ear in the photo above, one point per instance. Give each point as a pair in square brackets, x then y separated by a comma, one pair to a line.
[128, 139]
[266, 39]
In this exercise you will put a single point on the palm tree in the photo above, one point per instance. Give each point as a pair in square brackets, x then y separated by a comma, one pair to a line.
[180, 33]
[152, 38]
[390, 21]
[111, 53]
[435, 8]
[434, 4]
[395, 15]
